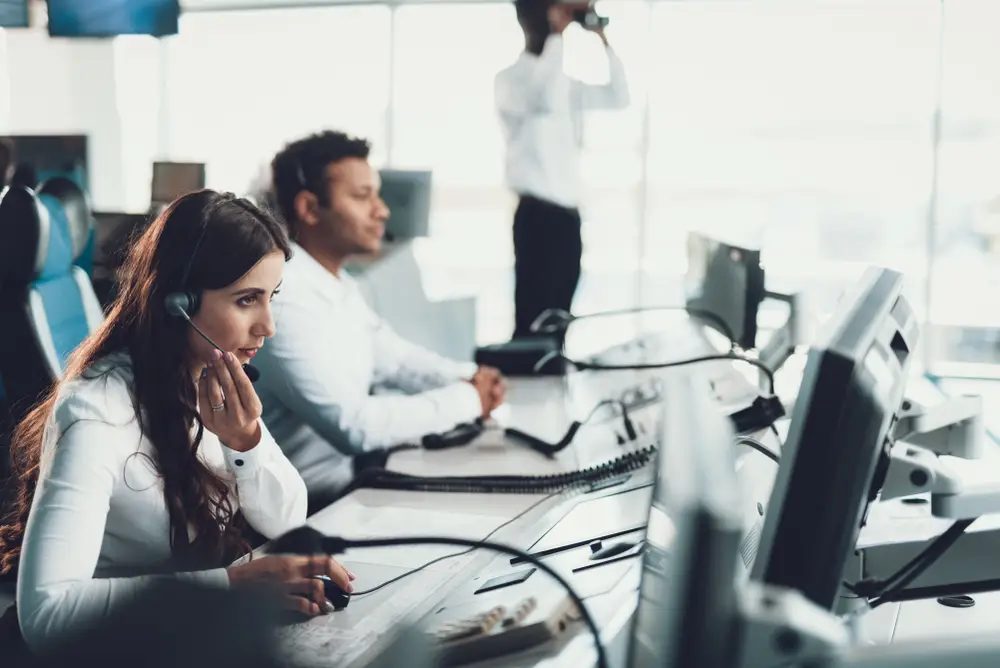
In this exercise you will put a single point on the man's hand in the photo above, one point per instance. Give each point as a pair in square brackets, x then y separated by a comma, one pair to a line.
[561, 16]
[491, 386]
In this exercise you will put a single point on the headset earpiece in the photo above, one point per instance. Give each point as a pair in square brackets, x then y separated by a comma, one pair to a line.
[182, 304]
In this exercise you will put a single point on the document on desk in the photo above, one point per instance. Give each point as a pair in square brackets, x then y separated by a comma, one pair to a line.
[356, 520]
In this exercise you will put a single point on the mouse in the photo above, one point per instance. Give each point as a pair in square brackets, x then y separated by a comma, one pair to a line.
[337, 597]
[612, 550]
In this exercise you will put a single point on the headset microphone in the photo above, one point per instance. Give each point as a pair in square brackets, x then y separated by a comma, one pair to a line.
[178, 303]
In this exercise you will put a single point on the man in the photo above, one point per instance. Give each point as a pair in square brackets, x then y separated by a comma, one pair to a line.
[331, 349]
[540, 110]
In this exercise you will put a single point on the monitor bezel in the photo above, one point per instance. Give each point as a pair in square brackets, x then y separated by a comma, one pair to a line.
[835, 456]
[697, 491]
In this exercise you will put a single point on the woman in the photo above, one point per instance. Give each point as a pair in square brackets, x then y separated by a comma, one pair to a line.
[149, 457]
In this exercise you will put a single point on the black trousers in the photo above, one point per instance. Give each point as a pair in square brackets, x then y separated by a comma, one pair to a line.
[547, 252]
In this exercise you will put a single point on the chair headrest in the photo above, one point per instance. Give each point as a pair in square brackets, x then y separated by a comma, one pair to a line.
[34, 236]
[24, 232]
[80, 220]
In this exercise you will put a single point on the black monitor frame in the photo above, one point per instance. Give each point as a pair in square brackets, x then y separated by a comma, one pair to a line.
[687, 597]
[727, 281]
[836, 455]
[408, 194]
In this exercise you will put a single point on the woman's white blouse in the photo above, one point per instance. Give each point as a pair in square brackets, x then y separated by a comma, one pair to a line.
[99, 528]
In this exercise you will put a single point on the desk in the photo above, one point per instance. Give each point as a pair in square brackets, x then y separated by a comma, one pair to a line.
[893, 521]
[543, 407]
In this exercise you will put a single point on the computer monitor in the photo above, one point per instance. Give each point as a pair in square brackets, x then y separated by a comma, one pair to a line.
[407, 193]
[687, 596]
[173, 179]
[41, 157]
[109, 18]
[14, 14]
[836, 454]
[727, 281]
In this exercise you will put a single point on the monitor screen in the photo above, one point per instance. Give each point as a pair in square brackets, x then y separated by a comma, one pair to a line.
[173, 179]
[13, 13]
[41, 157]
[690, 557]
[727, 281]
[836, 454]
[107, 18]
[407, 193]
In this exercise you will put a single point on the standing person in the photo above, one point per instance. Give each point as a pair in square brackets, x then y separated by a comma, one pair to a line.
[541, 109]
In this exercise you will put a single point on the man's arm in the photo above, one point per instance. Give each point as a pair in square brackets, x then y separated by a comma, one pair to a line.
[412, 368]
[305, 368]
[536, 92]
[612, 95]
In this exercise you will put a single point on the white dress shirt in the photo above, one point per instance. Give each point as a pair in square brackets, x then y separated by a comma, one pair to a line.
[318, 372]
[541, 111]
[99, 529]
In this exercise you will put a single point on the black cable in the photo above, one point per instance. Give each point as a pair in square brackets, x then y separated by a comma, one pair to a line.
[883, 591]
[931, 554]
[591, 366]
[565, 319]
[306, 540]
[407, 574]
[550, 449]
[759, 447]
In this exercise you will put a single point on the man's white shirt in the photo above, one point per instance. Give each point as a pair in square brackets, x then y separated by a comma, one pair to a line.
[318, 372]
[541, 113]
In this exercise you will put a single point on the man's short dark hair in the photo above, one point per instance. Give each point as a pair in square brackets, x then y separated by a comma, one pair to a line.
[533, 11]
[301, 166]
[533, 15]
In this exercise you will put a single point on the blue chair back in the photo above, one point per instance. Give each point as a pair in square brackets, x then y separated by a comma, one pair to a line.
[79, 218]
[47, 304]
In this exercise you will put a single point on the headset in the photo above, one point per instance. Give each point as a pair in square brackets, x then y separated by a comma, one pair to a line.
[185, 303]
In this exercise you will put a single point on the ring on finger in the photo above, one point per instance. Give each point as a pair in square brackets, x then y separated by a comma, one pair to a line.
[216, 409]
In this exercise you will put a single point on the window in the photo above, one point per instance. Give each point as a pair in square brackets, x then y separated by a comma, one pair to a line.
[799, 128]
[613, 163]
[444, 119]
[241, 84]
[964, 302]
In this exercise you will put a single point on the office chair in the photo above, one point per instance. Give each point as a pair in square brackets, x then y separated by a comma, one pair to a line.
[47, 304]
[79, 217]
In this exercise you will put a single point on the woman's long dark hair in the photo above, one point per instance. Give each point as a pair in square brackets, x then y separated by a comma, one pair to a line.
[203, 240]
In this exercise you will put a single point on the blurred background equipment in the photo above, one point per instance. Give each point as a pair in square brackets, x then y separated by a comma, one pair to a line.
[13, 13]
[407, 193]
[109, 18]
[173, 179]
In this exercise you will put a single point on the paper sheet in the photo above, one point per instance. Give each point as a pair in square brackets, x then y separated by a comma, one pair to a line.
[375, 522]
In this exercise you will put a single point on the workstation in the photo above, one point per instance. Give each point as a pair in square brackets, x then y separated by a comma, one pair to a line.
[740, 421]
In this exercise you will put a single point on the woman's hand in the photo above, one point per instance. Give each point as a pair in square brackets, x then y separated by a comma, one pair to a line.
[293, 577]
[229, 405]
